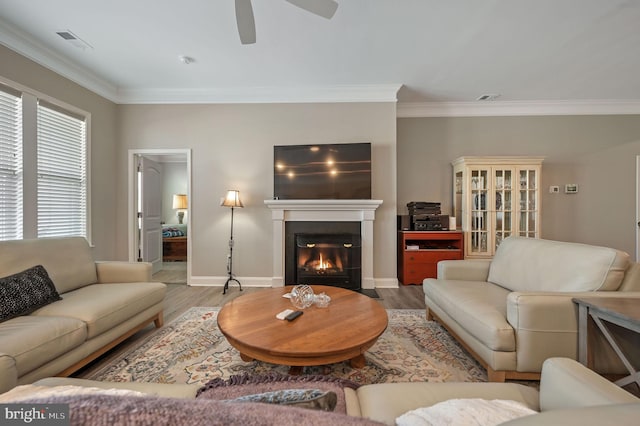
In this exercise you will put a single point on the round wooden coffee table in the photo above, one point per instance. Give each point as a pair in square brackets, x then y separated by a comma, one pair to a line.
[344, 330]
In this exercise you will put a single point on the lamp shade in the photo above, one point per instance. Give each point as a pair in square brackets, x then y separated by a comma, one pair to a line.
[179, 201]
[232, 199]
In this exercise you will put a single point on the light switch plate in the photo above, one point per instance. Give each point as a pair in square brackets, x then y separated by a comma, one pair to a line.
[571, 188]
[554, 189]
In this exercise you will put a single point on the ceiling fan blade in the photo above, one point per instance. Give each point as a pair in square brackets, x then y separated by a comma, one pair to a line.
[324, 8]
[245, 21]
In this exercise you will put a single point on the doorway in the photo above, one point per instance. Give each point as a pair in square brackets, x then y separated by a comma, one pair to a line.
[155, 223]
[637, 208]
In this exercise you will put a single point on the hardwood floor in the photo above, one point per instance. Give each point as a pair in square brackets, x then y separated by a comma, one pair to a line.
[172, 272]
[181, 297]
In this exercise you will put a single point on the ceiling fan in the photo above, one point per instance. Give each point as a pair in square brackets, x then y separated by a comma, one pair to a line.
[247, 25]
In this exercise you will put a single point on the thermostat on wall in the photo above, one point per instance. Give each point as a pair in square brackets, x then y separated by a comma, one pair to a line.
[571, 188]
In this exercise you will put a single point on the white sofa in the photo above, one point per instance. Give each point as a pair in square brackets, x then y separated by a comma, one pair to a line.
[102, 304]
[514, 311]
[570, 394]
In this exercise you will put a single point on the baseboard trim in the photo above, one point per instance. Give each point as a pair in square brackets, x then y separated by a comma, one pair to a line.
[218, 281]
[204, 281]
[386, 282]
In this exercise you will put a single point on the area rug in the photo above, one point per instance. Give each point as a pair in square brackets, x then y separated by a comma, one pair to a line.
[191, 349]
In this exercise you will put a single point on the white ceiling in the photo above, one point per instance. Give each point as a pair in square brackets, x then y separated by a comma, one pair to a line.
[437, 52]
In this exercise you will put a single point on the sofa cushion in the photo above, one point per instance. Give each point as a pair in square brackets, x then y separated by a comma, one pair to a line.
[24, 392]
[33, 341]
[465, 412]
[384, 402]
[9, 376]
[103, 306]
[479, 307]
[616, 414]
[26, 291]
[171, 390]
[587, 387]
[527, 264]
[68, 261]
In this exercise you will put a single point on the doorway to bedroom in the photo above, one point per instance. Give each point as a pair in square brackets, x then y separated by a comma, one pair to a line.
[159, 213]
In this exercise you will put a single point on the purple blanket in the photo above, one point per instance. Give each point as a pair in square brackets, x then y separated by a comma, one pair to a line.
[105, 410]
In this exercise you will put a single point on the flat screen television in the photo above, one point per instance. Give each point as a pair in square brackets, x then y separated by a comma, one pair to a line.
[324, 171]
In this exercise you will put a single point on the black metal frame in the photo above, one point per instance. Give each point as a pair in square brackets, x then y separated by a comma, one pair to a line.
[230, 261]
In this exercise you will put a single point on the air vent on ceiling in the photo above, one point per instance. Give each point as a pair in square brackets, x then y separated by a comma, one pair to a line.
[488, 97]
[74, 40]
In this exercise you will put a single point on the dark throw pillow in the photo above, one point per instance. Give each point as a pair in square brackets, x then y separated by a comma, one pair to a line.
[26, 291]
[255, 386]
[315, 399]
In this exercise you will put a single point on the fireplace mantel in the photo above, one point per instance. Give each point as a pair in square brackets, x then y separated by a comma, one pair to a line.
[362, 211]
[339, 205]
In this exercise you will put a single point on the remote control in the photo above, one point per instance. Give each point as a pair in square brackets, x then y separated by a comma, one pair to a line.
[282, 315]
[293, 315]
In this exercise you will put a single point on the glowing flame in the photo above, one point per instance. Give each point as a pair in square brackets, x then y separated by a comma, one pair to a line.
[322, 264]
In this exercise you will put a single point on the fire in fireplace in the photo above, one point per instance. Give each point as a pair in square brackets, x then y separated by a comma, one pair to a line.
[323, 258]
[327, 259]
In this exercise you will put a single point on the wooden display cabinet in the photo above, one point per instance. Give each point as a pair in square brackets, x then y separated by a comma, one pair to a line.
[494, 198]
[420, 251]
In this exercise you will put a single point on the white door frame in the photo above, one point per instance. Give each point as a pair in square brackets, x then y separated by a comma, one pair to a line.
[637, 208]
[133, 199]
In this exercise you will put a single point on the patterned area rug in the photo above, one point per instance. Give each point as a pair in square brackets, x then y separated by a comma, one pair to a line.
[191, 349]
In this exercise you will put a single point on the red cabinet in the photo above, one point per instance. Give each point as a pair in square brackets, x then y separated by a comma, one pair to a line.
[420, 251]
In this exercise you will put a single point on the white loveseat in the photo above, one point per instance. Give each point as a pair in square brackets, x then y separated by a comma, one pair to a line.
[516, 310]
[102, 303]
[570, 394]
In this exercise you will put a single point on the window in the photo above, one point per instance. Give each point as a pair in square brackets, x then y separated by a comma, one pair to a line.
[44, 178]
[10, 165]
[62, 179]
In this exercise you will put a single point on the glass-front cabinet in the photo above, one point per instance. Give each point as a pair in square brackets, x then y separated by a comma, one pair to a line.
[494, 198]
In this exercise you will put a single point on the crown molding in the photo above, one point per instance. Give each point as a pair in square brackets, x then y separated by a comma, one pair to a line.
[258, 95]
[27, 46]
[24, 44]
[517, 108]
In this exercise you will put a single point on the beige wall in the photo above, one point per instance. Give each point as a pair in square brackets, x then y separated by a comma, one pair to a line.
[103, 140]
[232, 148]
[596, 152]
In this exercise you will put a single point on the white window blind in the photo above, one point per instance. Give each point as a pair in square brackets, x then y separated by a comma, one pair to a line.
[62, 173]
[10, 165]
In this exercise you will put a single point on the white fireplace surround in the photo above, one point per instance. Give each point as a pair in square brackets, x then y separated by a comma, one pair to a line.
[362, 211]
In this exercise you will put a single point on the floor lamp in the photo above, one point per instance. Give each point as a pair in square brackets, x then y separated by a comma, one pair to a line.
[231, 200]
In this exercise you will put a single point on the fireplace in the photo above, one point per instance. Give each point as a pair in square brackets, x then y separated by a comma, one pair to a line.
[287, 212]
[323, 253]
